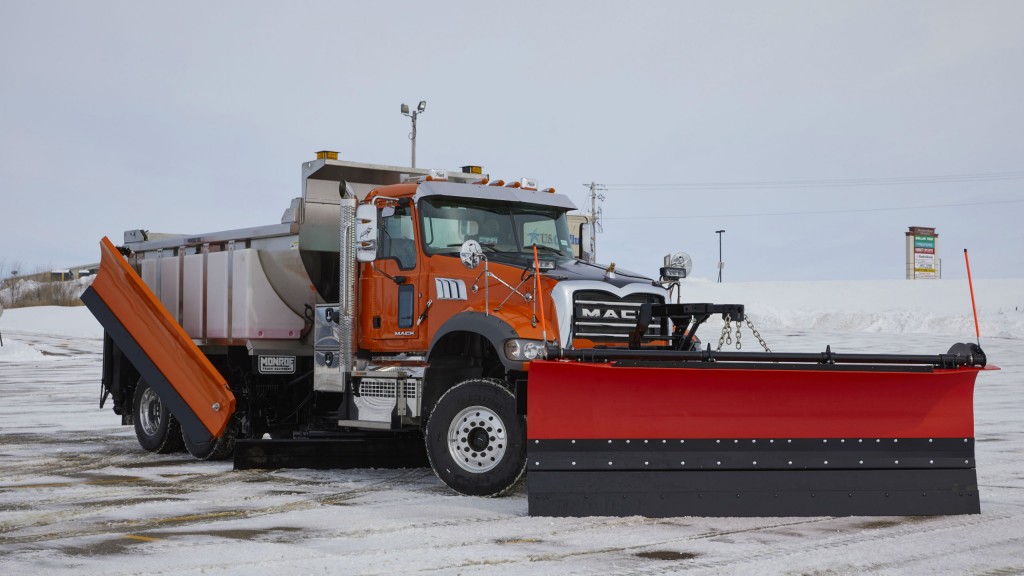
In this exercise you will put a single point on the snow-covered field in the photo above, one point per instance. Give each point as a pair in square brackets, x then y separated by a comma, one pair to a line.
[77, 495]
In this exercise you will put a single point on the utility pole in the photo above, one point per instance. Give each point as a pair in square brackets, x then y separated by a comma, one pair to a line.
[595, 216]
[720, 263]
[412, 135]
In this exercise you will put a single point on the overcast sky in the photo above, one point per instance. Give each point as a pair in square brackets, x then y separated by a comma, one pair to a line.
[813, 132]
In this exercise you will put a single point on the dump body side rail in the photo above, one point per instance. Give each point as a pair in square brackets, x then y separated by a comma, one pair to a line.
[158, 347]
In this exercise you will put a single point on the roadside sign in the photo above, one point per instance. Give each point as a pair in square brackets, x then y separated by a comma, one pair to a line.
[921, 261]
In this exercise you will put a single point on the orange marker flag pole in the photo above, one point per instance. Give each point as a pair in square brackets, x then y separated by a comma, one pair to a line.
[540, 297]
[977, 330]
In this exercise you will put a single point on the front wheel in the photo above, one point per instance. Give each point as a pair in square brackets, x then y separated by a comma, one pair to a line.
[475, 440]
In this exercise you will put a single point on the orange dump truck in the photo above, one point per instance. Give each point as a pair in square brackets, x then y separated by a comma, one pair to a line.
[398, 316]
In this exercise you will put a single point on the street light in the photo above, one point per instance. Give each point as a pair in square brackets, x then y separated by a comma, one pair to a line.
[720, 263]
[412, 135]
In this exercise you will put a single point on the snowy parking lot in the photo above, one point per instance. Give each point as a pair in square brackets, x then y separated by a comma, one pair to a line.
[78, 496]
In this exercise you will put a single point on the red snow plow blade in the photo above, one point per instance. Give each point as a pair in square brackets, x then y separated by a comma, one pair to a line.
[159, 348]
[699, 433]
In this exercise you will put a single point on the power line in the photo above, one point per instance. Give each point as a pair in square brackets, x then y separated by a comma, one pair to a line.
[810, 212]
[845, 182]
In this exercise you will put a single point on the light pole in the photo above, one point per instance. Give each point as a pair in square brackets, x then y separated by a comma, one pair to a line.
[720, 263]
[412, 135]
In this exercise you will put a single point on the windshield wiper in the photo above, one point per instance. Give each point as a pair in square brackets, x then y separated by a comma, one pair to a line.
[489, 246]
[542, 248]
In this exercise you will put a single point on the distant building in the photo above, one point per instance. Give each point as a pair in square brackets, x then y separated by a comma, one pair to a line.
[56, 275]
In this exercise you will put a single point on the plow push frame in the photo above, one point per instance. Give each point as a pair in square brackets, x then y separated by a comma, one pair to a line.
[667, 430]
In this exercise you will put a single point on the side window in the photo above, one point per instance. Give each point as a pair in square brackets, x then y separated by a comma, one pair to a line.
[395, 238]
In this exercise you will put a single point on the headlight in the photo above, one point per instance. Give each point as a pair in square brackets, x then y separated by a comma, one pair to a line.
[523, 350]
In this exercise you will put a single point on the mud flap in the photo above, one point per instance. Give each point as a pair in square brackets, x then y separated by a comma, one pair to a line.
[751, 440]
[186, 381]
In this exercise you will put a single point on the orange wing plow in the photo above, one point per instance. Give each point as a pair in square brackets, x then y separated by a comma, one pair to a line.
[159, 348]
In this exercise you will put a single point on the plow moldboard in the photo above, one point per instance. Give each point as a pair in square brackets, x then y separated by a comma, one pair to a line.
[777, 440]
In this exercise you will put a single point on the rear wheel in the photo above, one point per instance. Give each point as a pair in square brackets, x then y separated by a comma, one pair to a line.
[475, 440]
[155, 427]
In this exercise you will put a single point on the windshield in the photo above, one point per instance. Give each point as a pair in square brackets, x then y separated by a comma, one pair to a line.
[499, 227]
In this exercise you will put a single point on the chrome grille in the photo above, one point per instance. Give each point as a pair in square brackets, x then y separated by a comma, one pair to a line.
[604, 317]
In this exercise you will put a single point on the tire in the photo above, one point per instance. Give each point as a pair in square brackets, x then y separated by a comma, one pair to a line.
[216, 449]
[155, 427]
[475, 441]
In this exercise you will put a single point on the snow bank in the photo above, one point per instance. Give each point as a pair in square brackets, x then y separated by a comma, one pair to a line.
[66, 321]
[889, 306]
[16, 351]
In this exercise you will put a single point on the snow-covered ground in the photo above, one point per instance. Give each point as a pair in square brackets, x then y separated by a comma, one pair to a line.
[77, 495]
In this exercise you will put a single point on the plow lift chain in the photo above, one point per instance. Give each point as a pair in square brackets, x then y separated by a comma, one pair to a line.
[756, 334]
[726, 337]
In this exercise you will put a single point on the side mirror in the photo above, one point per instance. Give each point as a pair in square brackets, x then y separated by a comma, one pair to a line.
[471, 254]
[585, 232]
[366, 233]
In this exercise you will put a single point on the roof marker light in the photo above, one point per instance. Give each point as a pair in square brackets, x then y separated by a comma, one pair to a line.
[497, 183]
[513, 185]
[549, 190]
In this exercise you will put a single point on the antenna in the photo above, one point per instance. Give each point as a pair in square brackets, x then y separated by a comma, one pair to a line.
[977, 330]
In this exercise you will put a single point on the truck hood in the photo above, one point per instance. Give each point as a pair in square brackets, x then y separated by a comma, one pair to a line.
[566, 270]
[577, 270]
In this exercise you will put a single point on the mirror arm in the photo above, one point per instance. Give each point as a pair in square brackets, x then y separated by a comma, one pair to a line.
[396, 279]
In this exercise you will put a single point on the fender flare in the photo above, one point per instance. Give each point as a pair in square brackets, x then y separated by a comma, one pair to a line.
[494, 329]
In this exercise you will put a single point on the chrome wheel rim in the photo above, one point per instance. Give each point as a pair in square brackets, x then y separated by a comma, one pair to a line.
[477, 439]
[150, 412]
